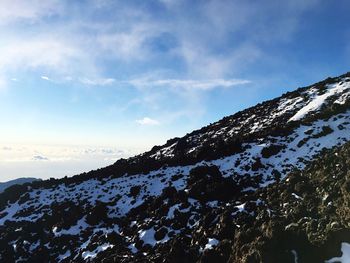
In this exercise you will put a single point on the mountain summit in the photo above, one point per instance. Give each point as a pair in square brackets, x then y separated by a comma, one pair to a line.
[267, 184]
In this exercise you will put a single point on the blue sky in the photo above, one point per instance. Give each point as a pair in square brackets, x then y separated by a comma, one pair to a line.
[121, 76]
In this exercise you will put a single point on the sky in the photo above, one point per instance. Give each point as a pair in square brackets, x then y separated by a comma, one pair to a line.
[86, 82]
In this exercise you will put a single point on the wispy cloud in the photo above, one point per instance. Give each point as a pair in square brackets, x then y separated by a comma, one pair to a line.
[128, 45]
[33, 53]
[13, 10]
[97, 82]
[200, 47]
[188, 83]
[40, 158]
[59, 160]
[147, 121]
[28, 153]
[45, 78]
[6, 148]
[205, 39]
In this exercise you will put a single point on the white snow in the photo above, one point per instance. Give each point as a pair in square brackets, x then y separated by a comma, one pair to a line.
[164, 152]
[345, 258]
[171, 211]
[212, 203]
[240, 207]
[176, 207]
[211, 243]
[295, 256]
[73, 230]
[296, 196]
[34, 245]
[133, 248]
[343, 98]
[288, 104]
[65, 255]
[147, 236]
[318, 100]
[93, 254]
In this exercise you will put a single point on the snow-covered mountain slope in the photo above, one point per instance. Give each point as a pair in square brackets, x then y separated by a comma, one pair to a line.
[136, 210]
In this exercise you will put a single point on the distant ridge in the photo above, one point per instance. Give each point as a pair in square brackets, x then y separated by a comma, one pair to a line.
[19, 181]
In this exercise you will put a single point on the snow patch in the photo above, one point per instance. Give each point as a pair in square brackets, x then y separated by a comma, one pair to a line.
[345, 258]
[93, 254]
[64, 256]
[319, 100]
[212, 242]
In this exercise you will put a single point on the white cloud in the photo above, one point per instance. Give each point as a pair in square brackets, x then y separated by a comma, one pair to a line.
[34, 53]
[97, 82]
[29, 153]
[60, 160]
[57, 55]
[147, 121]
[188, 84]
[210, 45]
[45, 78]
[215, 44]
[6, 148]
[39, 158]
[12, 10]
[123, 45]
[79, 42]
[201, 62]
[187, 94]
[128, 44]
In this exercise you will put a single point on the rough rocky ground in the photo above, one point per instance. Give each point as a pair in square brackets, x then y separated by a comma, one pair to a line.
[304, 218]
[268, 184]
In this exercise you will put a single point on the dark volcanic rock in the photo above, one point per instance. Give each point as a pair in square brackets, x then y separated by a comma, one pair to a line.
[206, 183]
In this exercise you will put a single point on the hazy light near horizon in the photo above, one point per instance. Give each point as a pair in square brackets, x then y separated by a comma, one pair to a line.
[42, 161]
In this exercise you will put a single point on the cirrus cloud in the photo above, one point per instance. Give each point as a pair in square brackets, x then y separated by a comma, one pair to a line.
[33, 10]
[205, 38]
[97, 82]
[188, 83]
